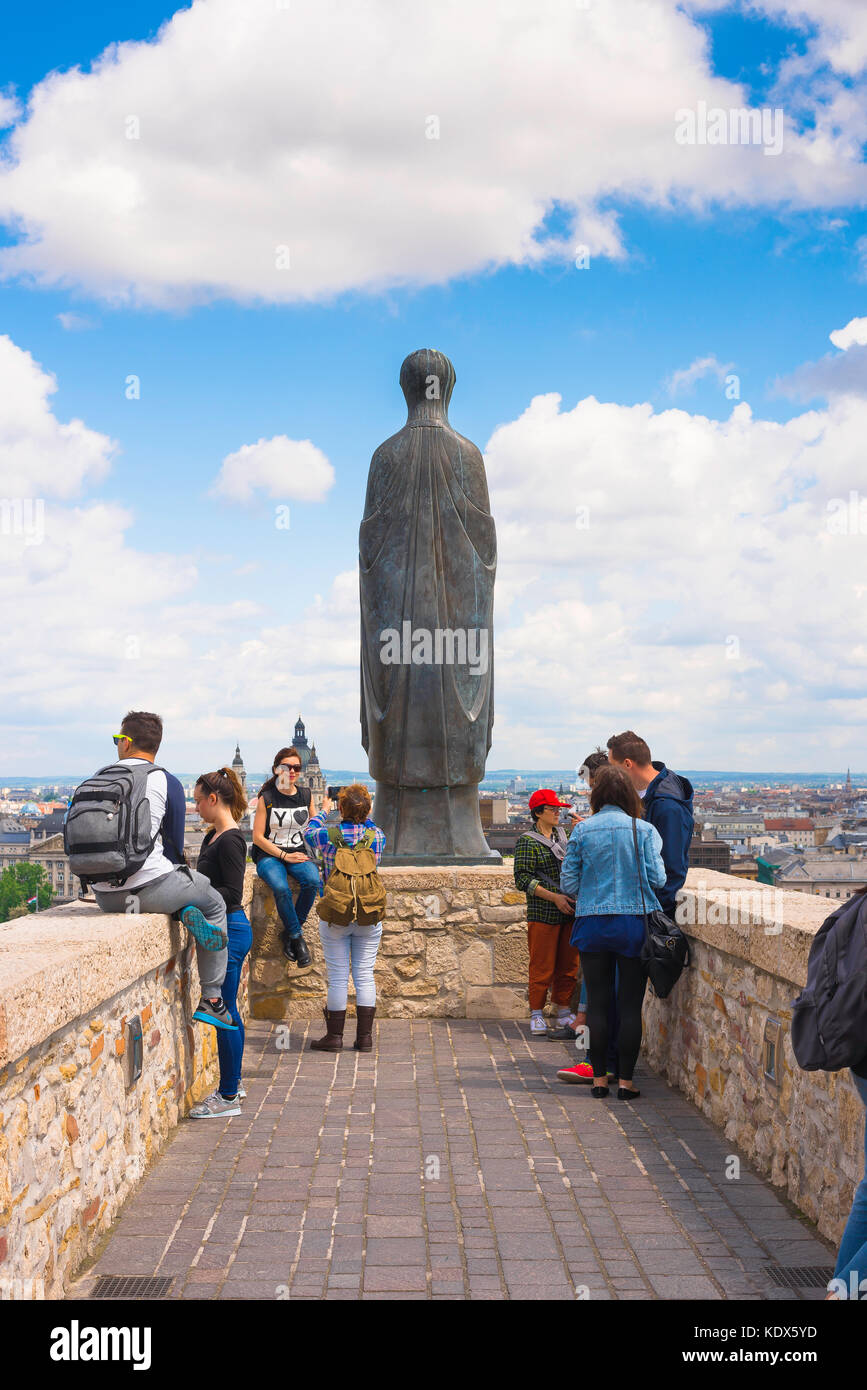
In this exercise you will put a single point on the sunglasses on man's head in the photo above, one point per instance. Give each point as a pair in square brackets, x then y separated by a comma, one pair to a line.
[120, 738]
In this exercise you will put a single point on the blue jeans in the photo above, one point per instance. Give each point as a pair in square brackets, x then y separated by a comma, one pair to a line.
[852, 1257]
[276, 874]
[230, 1045]
[350, 948]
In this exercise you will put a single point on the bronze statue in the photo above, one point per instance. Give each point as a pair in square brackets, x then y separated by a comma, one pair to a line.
[428, 556]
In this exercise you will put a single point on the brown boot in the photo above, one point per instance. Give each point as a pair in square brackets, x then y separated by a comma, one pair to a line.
[364, 1027]
[333, 1040]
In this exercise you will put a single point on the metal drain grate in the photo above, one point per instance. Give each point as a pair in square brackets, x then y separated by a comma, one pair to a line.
[132, 1286]
[800, 1276]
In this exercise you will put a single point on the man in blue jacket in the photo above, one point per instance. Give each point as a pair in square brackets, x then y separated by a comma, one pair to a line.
[667, 798]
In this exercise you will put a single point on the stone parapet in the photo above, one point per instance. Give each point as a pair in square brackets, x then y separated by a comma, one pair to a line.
[76, 1132]
[712, 1038]
[454, 945]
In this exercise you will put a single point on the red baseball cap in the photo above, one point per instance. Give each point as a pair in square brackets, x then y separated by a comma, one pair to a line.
[546, 797]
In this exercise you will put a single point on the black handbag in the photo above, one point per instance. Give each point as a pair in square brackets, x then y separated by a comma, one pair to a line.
[666, 950]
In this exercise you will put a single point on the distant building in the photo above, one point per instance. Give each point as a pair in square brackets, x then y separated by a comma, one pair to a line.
[837, 876]
[300, 744]
[493, 810]
[239, 769]
[311, 772]
[709, 854]
[50, 855]
[799, 830]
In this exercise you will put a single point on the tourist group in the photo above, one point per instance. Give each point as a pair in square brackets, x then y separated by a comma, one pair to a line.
[592, 886]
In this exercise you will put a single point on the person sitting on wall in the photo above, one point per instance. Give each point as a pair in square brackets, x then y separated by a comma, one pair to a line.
[279, 852]
[162, 886]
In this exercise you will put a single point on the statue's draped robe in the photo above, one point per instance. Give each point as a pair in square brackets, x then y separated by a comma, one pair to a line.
[427, 555]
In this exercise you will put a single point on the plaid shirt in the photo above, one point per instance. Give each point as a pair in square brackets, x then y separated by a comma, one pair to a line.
[533, 861]
[316, 837]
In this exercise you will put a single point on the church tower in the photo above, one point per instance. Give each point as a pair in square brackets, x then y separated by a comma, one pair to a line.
[313, 775]
[301, 746]
[239, 769]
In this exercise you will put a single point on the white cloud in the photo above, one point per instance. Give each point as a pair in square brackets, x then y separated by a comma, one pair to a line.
[175, 170]
[685, 377]
[10, 110]
[854, 332]
[286, 468]
[39, 456]
[710, 602]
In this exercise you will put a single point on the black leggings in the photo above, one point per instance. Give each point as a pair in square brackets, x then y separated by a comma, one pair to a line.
[598, 967]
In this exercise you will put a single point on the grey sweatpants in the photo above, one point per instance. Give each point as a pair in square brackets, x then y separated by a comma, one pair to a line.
[183, 887]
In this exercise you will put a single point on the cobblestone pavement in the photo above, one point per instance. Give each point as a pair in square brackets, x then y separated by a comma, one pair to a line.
[451, 1163]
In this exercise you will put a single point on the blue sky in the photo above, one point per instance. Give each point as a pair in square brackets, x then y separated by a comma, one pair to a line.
[720, 267]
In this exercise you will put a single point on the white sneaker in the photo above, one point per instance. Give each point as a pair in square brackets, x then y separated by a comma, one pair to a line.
[538, 1025]
[242, 1094]
[214, 1107]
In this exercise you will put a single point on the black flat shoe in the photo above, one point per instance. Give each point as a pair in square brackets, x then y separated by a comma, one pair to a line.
[626, 1093]
[600, 1092]
[288, 945]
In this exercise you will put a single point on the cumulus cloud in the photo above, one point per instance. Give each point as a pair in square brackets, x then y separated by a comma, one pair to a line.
[279, 467]
[284, 154]
[39, 455]
[854, 332]
[700, 580]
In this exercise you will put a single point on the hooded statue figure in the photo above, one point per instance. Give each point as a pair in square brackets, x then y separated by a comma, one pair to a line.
[428, 556]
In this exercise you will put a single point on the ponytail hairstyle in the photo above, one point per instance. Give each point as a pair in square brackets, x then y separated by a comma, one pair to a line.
[227, 788]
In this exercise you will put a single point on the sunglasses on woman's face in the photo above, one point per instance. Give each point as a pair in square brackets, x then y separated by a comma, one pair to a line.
[294, 768]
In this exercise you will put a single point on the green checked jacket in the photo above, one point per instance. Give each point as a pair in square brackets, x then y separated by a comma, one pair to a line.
[532, 863]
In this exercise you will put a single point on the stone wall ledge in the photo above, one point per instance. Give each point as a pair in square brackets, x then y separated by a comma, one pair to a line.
[58, 965]
[768, 927]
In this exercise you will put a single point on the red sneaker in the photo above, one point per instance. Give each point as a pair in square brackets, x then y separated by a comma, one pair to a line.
[583, 1074]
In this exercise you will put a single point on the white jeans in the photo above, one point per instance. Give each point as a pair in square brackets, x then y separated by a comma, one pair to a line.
[350, 948]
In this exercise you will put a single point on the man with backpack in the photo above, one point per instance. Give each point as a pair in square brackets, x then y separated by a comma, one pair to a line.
[351, 911]
[124, 835]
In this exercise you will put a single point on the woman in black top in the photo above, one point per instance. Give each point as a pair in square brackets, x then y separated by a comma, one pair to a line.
[280, 853]
[220, 801]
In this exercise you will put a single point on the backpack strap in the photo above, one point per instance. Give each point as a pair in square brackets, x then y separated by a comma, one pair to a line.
[335, 837]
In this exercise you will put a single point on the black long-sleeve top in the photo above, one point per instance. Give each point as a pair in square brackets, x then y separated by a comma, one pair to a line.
[222, 860]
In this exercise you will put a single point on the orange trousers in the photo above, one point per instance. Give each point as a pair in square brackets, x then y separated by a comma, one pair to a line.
[553, 963]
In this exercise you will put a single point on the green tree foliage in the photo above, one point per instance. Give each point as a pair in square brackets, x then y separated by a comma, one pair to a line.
[20, 882]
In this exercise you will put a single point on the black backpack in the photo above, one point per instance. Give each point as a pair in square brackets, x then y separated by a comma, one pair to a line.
[829, 1020]
[107, 830]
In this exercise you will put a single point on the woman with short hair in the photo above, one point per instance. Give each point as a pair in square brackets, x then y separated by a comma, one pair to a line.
[351, 949]
[601, 872]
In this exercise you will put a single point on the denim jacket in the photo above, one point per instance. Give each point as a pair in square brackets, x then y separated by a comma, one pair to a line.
[599, 868]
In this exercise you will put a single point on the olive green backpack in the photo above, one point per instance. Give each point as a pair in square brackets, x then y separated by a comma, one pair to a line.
[354, 892]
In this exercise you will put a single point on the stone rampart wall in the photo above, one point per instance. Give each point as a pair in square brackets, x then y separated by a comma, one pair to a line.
[75, 1137]
[804, 1130]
